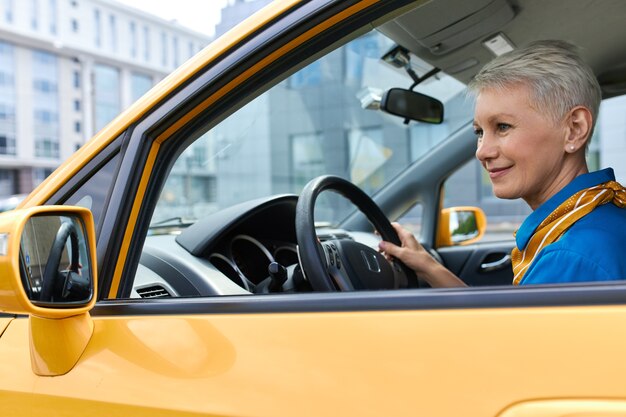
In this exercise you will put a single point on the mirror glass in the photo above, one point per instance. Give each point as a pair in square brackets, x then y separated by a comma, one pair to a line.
[54, 260]
[463, 226]
[412, 105]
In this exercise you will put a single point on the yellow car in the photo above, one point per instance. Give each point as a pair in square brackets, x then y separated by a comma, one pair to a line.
[182, 264]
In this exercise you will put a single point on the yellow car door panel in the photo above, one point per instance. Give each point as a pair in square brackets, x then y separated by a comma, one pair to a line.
[365, 363]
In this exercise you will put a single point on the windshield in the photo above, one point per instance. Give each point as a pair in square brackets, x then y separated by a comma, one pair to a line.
[313, 123]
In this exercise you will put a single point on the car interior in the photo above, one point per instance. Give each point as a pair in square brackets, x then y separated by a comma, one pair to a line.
[276, 240]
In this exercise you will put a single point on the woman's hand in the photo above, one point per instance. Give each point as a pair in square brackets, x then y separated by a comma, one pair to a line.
[413, 255]
[411, 252]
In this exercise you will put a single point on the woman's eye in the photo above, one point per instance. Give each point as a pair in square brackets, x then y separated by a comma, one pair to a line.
[478, 133]
[503, 127]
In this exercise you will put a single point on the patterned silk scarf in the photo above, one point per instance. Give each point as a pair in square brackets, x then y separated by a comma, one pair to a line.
[561, 219]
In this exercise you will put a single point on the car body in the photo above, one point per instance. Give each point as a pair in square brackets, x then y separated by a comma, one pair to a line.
[221, 342]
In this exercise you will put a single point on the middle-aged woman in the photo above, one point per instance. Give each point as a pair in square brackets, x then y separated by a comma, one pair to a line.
[535, 113]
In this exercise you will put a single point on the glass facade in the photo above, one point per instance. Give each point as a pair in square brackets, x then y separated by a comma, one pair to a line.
[107, 94]
[46, 104]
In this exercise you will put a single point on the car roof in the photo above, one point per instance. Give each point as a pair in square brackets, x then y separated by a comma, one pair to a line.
[449, 34]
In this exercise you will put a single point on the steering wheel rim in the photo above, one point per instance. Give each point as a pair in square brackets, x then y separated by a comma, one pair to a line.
[67, 230]
[309, 249]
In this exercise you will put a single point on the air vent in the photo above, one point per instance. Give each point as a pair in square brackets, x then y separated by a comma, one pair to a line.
[153, 291]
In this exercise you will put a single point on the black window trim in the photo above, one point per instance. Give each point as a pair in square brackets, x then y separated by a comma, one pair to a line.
[489, 298]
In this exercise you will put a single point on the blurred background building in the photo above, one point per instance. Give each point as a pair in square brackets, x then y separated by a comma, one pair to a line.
[67, 68]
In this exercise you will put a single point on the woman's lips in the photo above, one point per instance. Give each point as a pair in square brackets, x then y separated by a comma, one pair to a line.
[498, 172]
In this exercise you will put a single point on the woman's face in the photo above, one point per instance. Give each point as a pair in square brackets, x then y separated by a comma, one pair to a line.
[522, 149]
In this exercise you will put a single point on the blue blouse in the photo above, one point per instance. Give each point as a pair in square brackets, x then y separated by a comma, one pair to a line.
[592, 249]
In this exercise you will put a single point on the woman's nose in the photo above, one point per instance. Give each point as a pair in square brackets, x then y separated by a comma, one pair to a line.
[486, 148]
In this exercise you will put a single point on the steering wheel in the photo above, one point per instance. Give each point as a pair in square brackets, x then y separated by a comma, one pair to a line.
[343, 264]
[51, 273]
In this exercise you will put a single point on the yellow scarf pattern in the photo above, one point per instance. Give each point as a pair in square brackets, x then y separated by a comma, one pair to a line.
[561, 219]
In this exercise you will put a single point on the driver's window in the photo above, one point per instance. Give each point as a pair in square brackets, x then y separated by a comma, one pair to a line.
[312, 123]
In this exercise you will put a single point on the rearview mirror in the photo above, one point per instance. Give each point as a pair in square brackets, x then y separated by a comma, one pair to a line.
[412, 105]
[461, 226]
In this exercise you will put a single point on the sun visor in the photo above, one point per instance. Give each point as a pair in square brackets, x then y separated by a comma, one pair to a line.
[444, 26]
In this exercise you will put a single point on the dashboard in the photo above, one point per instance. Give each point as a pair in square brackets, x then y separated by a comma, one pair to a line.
[227, 252]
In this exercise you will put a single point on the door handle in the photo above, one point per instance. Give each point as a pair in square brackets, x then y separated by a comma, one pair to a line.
[496, 265]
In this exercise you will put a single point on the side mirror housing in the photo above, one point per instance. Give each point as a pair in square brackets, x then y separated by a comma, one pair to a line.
[461, 226]
[48, 271]
[47, 261]
[412, 105]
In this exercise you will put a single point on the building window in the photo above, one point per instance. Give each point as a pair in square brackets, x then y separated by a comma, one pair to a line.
[45, 86]
[7, 99]
[46, 105]
[40, 174]
[113, 32]
[45, 116]
[164, 49]
[76, 105]
[8, 182]
[175, 51]
[191, 49]
[34, 21]
[7, 145]
[76, 78]
[52, 4]
[146, 43]
[140, 84]
[46, 148]
[133, 40]
[97, 28]
[8, 11]
[74, 24]
[74, 3]
[77, 127]
[107, 94]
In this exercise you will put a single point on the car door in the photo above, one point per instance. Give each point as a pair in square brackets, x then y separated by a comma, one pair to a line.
[470, 352]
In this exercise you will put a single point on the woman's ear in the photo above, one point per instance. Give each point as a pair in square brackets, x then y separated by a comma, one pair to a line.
[579, 121]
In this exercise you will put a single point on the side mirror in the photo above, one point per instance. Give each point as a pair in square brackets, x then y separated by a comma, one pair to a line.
[48, 271]
[47, 261]
[412, 105]
[461, 226]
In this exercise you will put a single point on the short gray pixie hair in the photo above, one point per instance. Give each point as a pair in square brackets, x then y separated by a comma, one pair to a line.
[558, 78]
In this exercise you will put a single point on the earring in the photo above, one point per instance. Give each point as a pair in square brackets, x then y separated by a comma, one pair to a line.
[572, 147]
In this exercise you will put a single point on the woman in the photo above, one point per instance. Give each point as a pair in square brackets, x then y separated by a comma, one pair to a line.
[535, 113]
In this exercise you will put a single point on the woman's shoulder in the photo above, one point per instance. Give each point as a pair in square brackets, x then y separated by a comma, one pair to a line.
[605, 218]
[600, 234]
